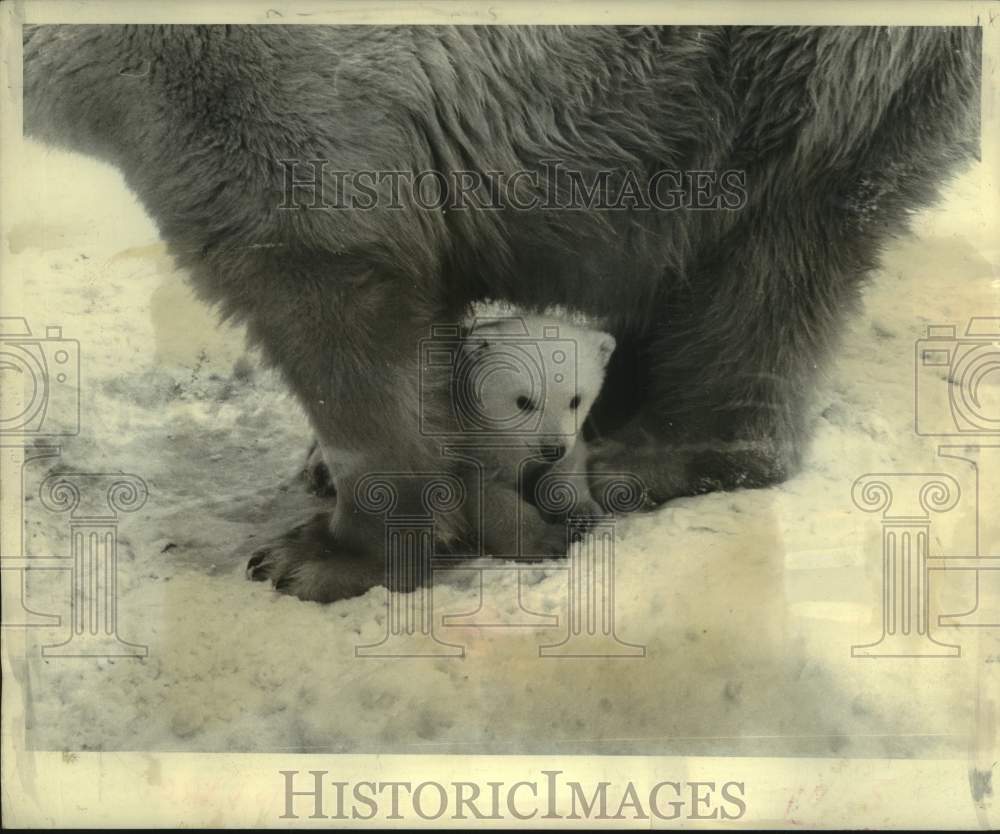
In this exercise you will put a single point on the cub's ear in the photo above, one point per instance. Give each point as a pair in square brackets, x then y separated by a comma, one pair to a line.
[605, 347]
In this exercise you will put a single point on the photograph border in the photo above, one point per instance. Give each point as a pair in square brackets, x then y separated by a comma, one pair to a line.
[152, 789]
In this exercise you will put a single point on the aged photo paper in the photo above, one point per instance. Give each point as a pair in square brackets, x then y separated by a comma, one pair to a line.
[447, 414]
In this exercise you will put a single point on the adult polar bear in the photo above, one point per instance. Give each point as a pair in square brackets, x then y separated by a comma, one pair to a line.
[721, 316]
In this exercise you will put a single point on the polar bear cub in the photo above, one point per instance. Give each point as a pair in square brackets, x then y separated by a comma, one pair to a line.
[521, 390]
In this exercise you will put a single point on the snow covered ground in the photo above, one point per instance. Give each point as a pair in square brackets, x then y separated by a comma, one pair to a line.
[747, 603]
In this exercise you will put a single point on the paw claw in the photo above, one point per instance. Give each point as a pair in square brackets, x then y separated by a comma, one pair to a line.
[306, 563]
[256, 570]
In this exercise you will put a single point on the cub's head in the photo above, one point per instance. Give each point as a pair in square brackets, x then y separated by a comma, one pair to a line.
[531, 378]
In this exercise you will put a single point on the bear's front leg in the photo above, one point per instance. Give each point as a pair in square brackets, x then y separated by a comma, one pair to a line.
[349, 351]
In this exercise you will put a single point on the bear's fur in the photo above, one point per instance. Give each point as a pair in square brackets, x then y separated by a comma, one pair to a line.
[722, 317]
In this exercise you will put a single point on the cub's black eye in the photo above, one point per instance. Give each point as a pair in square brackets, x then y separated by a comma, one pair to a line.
[575, 402]
[525, 404]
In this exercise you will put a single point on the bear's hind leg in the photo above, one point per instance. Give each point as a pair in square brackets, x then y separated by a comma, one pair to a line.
[731, 374]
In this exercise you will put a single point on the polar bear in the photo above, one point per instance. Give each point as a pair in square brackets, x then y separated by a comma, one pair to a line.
[724, 312]
[521, 390]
